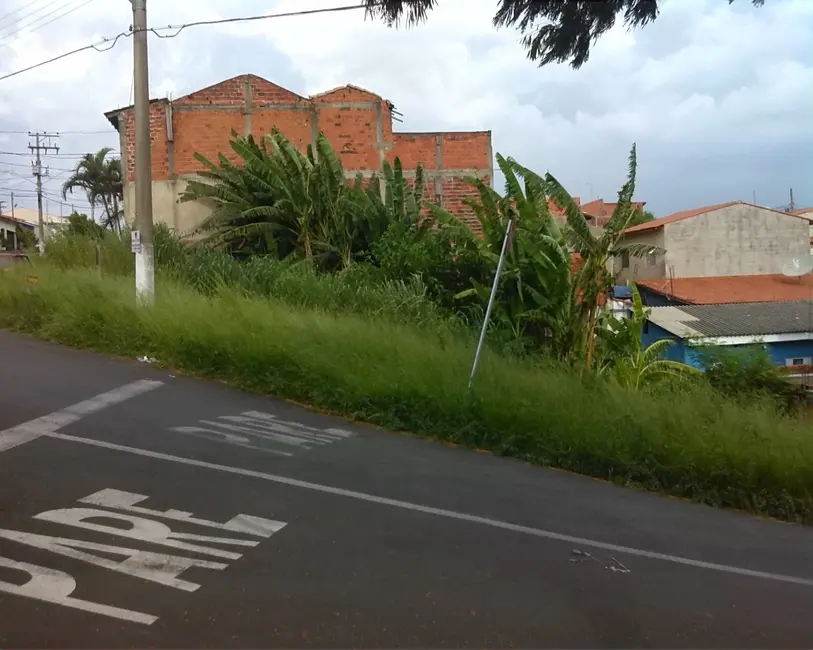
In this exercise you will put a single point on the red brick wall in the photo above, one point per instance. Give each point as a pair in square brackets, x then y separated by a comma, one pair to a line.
[203, 120]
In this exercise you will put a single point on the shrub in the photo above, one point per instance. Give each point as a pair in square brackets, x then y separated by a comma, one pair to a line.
[747, 373]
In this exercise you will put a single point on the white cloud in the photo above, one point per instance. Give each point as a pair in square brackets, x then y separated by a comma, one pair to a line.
[717, 96]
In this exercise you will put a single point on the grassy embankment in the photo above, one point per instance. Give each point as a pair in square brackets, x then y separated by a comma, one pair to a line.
[383, 355]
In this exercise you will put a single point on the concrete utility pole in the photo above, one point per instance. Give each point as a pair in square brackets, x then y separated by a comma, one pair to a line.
[142, 242]
[42, 143]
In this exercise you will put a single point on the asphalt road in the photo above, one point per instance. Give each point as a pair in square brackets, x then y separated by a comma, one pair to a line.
[141, 509]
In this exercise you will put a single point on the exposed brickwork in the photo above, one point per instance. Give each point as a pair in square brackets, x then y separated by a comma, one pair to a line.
[357, 122]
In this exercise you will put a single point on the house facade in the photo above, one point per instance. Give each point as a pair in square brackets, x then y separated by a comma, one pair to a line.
[357, 122]
[784, 329]
[10, 228]
[730, 239]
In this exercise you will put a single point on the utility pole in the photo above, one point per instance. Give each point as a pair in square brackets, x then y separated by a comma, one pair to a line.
[42, 143]
[142, 242]
[12, 205]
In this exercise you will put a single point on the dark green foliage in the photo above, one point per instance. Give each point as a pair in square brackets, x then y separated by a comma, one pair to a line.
[82, 225]
[747, 373]
[553, 31]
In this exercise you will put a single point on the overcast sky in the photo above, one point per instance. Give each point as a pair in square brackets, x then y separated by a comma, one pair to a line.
[719, 98]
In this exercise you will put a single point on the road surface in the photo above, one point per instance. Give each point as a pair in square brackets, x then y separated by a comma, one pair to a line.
[143, 509]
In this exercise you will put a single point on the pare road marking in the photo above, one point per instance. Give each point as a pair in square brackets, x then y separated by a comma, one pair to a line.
[49, 585]
[263, 432]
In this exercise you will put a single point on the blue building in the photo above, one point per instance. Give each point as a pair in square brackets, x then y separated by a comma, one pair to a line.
[784, 329]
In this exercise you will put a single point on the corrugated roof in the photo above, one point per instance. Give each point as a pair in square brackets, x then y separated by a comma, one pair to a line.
[733, 288]
[688, 214]
[742, 319]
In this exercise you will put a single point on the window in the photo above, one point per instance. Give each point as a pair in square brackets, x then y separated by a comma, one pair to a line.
[651, 260]
[799, 361]
[625, 260]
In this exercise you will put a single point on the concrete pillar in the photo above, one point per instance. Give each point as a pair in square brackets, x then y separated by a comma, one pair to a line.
[438, 198]
[247, 98]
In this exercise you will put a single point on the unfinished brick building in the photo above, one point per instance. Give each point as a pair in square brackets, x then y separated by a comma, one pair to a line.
[358, 124]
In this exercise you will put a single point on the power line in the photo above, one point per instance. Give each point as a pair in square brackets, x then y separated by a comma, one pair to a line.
[26, 16]
[178, 29]
[18, 10]
[45, 24]
[54, 155]
[106, 132]
[94, 46]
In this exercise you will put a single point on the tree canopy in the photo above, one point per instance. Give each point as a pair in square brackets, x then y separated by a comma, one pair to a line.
[553, 31]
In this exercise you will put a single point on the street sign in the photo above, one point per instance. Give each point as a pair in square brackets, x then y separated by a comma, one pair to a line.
[135, 241]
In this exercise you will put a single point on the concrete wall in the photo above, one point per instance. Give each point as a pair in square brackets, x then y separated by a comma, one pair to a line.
[357, 123]
[166, 208]
[737, 240]
[651, 266]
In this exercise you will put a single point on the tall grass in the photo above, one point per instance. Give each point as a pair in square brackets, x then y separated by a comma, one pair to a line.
[358, 289]
[687, 443]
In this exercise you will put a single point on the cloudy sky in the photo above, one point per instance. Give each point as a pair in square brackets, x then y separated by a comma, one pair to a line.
[719, 98]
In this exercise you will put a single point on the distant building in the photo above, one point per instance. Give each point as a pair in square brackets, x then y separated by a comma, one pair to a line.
[357, 122]
[784, 329]
[766, 287]
[9, 236]
[730, 239]
[598, 212]
[51, 222]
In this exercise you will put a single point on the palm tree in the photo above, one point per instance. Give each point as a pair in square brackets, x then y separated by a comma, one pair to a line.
[100, 178]
[594, 279]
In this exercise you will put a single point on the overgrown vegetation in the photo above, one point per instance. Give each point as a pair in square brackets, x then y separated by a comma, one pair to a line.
[366, 299]
[745, 373]
[688, 443]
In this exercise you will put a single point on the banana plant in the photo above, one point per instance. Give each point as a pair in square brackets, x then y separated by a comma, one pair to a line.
[626, 362]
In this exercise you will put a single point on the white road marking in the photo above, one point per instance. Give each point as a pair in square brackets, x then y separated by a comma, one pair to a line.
[440, 512]
[120, 500]
[156, 567]
[145, 530]
[227, 438]
[258, 430]
[52, 586]
[46, 424]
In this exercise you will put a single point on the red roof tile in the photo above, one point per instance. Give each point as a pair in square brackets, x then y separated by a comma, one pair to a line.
[687, 214]
[600, 208]
[733, 288]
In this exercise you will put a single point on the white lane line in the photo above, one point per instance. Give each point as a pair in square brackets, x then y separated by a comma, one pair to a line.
[451, 514]
[46, 424]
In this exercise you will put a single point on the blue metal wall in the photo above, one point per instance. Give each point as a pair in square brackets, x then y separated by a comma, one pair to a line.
[779, 352]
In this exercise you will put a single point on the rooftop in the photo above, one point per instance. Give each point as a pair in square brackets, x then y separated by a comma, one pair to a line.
[695, 212]
[733, 288]
[599, 211]
[743, 319]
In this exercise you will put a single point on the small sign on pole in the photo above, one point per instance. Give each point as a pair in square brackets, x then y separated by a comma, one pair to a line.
[135, 241]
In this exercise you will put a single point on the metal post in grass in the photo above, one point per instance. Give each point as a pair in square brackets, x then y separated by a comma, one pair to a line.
[509, 233]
